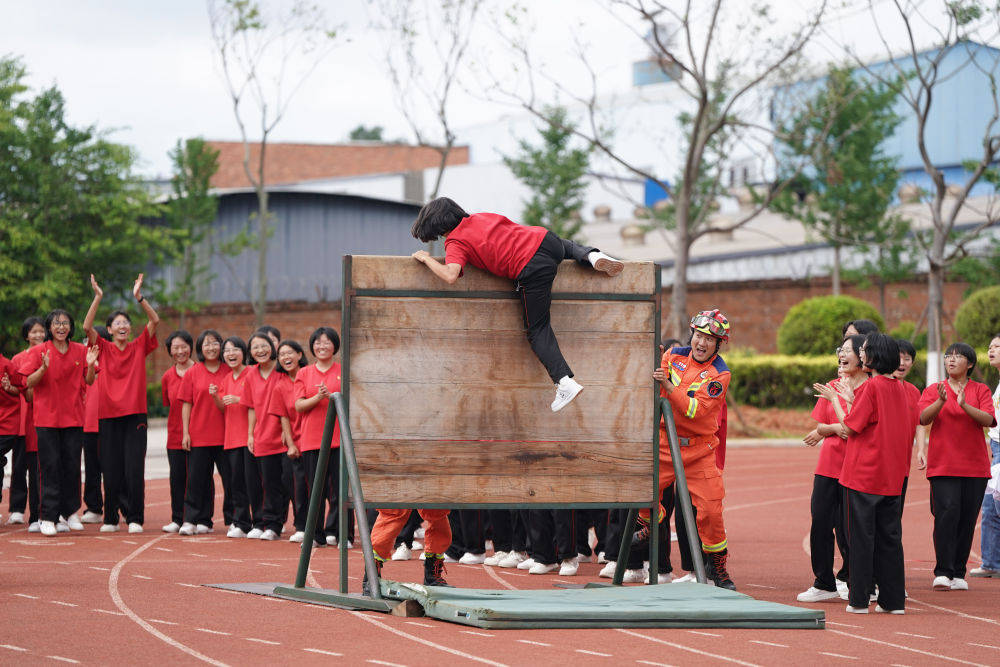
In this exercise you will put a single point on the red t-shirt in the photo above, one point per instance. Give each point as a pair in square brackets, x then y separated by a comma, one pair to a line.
[170, 387]
[493, 243]
[58, 396]
[914, 395]
[91, 405]
[10, 405]
[267, 429]
[957, 446]
[831, 452]
[237, 417]
[314, 420]
[207, 424]
[286, 392]
[124, 384]
[27, 428]
[876, 459]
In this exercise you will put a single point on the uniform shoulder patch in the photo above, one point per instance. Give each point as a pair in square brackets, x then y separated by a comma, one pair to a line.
[715, 388]
[678, 365]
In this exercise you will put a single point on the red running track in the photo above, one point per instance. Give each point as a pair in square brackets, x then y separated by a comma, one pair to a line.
[91, 598]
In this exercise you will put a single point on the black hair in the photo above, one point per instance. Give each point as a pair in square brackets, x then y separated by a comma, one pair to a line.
[881, 353]
[437, 218]
[906, 347]
[201, 341]
[270, 331]
[112, 316]
[263, 336]
[330, 333]
[51, 316]
[670, 343]
[102, 332]
[294, 344]
[856, 342]
[863, 327]
[29, 324]
[718, 341]
[966, 351]
[180, 333]
[238, 342]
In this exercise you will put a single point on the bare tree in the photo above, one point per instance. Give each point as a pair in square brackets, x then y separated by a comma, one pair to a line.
[926, 67]
[265, 58]
[721, 55]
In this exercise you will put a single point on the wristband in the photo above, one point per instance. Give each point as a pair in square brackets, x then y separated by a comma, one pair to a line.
[140, 299]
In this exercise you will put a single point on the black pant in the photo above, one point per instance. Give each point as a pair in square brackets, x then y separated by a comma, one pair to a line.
[19, 478]
[274, 505]
[178, 461]
[242, 516]
[199, 500]
[636, 557]
[92, 498]
[955, 504]
[552, 535]
[332, 527]
[310, 462]
[59, 470]
[827, 508]
[123, 466]
[406, 535]
[875, 536]
[467, 534]
[510, 530]
[534, 284]
[584, 520]
[255, 488]
[293, 482]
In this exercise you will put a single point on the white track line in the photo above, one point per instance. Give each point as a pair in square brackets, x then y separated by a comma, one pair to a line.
[995, 648]
[322, 652]
[952, 611]
[764, 643]
[838, 655]
[910, 634]
[162, 622]
[109, 612]
[35, 597]
[655, 664]
[213, 632]
[686, 648]
[533, 643]
[262, 641]
[586, 652]
[706, 634]
[62, 659]
[905, 648]
[496, 577]
[23, 650]
[124, 608]
[383, 662]
[478, 634]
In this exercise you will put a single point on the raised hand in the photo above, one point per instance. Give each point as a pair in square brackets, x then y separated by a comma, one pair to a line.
[942, 392]
[960, 396]
[825, 391]
[137, 288]
[45, 360]
[846, 392]
[92, 353]
[98, 292]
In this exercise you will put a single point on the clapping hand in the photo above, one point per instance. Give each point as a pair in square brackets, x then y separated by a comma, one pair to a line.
[825, 391]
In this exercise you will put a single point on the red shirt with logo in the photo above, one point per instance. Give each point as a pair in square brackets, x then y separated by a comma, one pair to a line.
[237, 414]
[833, 447]
[493, 243]
[124, 371]
[884, 422]
[59, 395]
[287, 391]
[10, 405]
[207, 424]
[957, 446]
[314, 420]
[259, 394]
[170, 387]
[27, 428]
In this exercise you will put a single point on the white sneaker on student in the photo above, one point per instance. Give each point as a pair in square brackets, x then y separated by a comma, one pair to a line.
[843, 590]
[269, 535]
[542, 568]
[687, 578]
[879, 610]
[601, 559]
[857, 610]
[255, 534]
[297, 536]
[35, 527]
[512, 559]
[134, 528]
[416, 546]
[91, 517]
[664, 578]
[472, 559]
[186, 528]
[569, 567]
[526, 564]
[62, 526]
[449, 559]
[48, 528]
[495, 559]
[236, 532]
[202, 529]
[608, 571]
[566, 391]
[814, 594]
[402, 552]
[418, 534]
[74, 523]
[637, 576]
[109, 527]
[15, 517]
[605, 263]
[958, 584]
[941, 584]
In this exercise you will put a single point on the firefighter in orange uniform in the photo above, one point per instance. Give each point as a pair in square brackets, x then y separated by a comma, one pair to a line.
[694, 380]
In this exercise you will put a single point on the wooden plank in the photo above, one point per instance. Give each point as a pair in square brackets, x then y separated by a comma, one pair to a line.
[498, 358]
[405, 273]
[479, 409]
[498, 315]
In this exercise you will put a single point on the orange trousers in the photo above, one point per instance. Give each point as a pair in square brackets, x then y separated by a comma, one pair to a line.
[437, 537]
[704, 482]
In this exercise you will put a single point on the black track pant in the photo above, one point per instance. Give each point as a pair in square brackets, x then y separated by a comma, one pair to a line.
[467, 535]
[510, 530]
[406, 535]
[255, 488]
[293, 481]
[59, 470]
[19, 478]
[955, 504]
[274, 505]
[123, 466]
[199, 501]
[875, 536]
[177, 459]
[636, 557]
[236, 462]
[310, 462]
[552, 535]
[534, 284]
[827, 508]
[92, 498]
[332, 527]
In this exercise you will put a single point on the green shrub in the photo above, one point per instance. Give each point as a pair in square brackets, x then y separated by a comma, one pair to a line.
[154, 401]
[978, 318]
[907, 329]
[814, 326]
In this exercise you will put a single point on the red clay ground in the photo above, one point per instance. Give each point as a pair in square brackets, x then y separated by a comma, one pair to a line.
[120, 599]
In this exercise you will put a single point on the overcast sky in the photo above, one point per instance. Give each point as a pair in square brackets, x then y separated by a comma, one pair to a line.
[148, 70]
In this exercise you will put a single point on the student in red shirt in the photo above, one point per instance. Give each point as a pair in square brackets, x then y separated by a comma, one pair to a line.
[528, 255]
[57, 372]
[291, 358]
[203, 433]
[244, 477]
[826, 504]
[11, 385]
[179, 345]
[907, 353]
[122, 410]
[92, 497]
[958, 462]
[24, 468]
[320, 381]
[264, 432]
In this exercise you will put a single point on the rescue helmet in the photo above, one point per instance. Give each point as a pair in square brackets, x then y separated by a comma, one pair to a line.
[711, 322]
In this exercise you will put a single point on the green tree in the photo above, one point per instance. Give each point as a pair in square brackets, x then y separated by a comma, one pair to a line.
[554, 172]
[70, 205]
[979, 270]
[892, 258]
[190, 212]
[845, 193]
[362, 133]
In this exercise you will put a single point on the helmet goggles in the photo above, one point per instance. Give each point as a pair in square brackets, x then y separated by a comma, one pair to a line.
[711, 322]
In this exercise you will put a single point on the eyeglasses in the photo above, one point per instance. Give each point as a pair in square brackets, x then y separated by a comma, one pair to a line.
[61, 323]
[954, 356]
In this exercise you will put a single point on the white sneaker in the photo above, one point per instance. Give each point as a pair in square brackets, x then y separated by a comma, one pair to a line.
[687, 578]
[526, 564]
[423, 555]
[202, 529]
[255, 534]
[416, 546]
[472, 559]
[15, 517]
[418, 534]
[236, 532]
[402, 552]
[605, 263]
[843, 590]
[62, 526]
[331, 541]
[171, 527]
[609, 570]
[601, 558]
[512, 559]
[134, 528]
[91, 517]
[268, 535]
[664, 578]
[48, 528]
[349, 545]
[566, 391]
[569, 567]
[958, 584]
[879, 610]
[817, 595]
[582, 558]
[73, 521]
[109, 527]
[636, 576]
[974, 572]
[297, 536]
[542, 568]
[941, 584]
[495, 559]
[857, 610]
[186, 528]
[449, 559]
[35, 527]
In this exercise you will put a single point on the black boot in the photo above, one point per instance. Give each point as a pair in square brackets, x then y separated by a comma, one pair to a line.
[434, 571]
[366, 587]
[716, 571]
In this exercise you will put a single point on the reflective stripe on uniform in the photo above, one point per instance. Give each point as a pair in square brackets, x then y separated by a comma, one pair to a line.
[692, 408]
[714, 548]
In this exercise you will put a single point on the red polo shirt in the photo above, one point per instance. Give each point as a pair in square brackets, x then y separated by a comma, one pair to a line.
[58, 396]
[267, 430]
[493, 243]
[286, 392]
[876, 459]
[207, 424]
[833, 447]
[10, 405]
[237, 414]
[27, 428]
[314, 420]
[124, 383]
[170, 386]
[957, 446]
